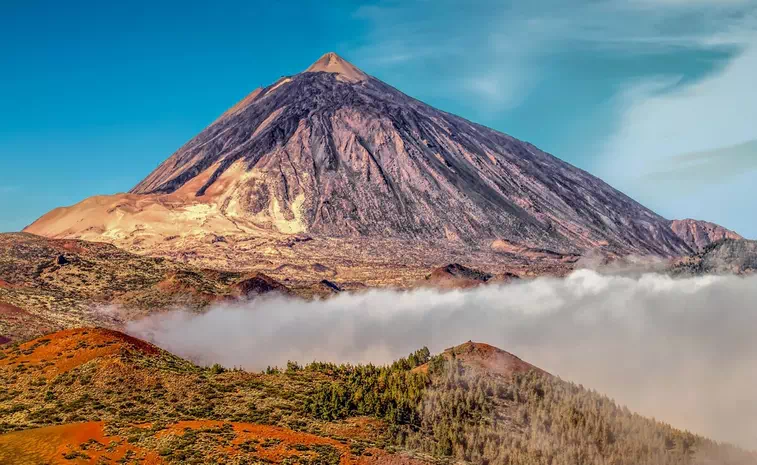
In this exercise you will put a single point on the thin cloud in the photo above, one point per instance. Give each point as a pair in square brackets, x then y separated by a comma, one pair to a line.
[711, 167]
[499, 50]
[711, 118]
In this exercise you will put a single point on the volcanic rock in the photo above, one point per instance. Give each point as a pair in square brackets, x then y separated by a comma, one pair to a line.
[699, 234]
[330, 286]
[258, 285]
[456, 275]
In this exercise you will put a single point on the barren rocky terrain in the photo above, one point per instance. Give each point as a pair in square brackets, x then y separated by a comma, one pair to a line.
[49, 284]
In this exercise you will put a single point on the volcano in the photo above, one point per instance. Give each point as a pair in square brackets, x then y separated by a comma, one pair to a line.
[335, 153]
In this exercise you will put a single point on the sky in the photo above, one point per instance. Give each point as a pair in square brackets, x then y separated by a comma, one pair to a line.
[656, 97]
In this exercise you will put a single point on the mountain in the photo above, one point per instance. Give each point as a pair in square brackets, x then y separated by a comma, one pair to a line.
[335, 155]
[699, 234]
[91, 395]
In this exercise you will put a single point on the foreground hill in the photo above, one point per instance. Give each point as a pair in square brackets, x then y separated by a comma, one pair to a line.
[99, 396]
[367, 175]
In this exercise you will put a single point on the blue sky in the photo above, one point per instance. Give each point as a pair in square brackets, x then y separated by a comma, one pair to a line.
[655, 96]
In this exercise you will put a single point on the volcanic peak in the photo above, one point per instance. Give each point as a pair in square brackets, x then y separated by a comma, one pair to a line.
[333, 63]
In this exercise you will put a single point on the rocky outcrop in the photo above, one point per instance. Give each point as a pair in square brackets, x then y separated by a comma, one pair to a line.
[699, 234]
[329, 287]
[456, 275]
[728, 256]
[258, 285]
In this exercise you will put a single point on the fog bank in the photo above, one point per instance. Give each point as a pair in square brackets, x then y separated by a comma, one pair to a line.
[680, 350]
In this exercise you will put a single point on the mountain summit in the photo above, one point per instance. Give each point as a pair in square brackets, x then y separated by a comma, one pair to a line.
[333, 63]
[335, 153]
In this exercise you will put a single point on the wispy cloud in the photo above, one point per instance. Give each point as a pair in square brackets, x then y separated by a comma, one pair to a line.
[690, 170]
[685, 149]
[499, 49]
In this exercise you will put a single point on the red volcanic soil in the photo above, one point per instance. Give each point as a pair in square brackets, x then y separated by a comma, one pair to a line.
[11, 310]
[483, 357]
[68, 349]
[73, 246]
[14, 316]
[283, 449]
[54, 443]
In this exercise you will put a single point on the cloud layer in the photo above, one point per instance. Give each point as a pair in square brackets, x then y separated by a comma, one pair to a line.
[681, 350]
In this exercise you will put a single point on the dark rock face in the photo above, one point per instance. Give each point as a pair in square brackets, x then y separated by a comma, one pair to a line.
[335, 152]
[457, 270]
[258, 285]
[330, 286]
[456, 275]
[699, 234]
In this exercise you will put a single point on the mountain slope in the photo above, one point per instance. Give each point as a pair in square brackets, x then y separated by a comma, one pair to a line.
[699, 234]
[333, 152]
[97, 396]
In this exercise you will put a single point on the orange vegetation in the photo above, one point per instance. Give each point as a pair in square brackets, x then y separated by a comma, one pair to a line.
[68, 349]
[75, 443]
[88, 443]
[286, 443]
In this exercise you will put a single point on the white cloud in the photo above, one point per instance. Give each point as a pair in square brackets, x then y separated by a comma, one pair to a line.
[719, 111]
[682, 350]
[658, 124]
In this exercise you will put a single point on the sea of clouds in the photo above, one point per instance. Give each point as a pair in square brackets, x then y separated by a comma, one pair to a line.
[681, 350]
